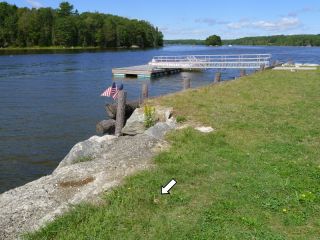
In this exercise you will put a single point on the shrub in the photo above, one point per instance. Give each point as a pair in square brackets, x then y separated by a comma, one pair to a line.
[149, 116]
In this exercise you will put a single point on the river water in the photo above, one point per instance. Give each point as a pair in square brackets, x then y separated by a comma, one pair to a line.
[49, 101]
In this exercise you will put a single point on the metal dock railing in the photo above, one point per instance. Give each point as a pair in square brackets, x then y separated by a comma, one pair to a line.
[245, 61]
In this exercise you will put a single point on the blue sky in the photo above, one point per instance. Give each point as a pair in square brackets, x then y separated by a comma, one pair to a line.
[199, 19]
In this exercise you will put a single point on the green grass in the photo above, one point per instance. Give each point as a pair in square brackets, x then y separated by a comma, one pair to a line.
[256, 177]
[181, 119]
[84, 159]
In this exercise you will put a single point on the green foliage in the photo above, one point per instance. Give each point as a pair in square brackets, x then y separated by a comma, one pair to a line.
[278, 40]
[181, 119]
[213, 40]
[23, 27]
[65, 9]
[185, 41]
[149, 116]
[84, 159]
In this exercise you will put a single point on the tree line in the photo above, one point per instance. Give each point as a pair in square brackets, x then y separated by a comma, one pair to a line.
[45, 27]
[278, 40]
[213, 40]
[185, 41]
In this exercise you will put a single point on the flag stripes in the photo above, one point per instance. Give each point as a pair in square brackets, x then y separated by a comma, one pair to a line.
[112, 91]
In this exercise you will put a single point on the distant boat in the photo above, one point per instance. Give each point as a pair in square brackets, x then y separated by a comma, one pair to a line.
[230, 45]
[135, 46]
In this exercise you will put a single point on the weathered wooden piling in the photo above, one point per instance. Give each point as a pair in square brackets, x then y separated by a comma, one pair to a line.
[242, 72]
[111, 109]
[186, 83]
[122, 97]
[217, 77]
[145, 91]
[262, 67]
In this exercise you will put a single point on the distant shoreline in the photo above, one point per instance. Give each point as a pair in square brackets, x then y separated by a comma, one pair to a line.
[45, 48]
[35, 50]
[58, 48]
[63, 48]
[302, 40]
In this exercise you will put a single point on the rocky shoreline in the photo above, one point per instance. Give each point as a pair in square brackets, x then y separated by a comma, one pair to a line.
[90, 168]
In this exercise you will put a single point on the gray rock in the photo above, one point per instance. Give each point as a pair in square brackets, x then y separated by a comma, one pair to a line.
[159, 130]
[163, 113]
[29, 207]
[135, 124]
[89, 148]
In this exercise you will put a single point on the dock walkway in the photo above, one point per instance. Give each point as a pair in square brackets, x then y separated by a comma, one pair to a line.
[143, 71]
[164, 65]
[239, 61]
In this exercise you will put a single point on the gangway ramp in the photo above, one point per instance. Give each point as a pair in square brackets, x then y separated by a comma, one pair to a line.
[237, 61]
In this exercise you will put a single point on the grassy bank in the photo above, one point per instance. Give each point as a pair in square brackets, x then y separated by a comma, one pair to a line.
[256, 177]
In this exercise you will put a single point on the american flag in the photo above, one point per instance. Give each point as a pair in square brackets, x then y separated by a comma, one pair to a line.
[117, 91]
[110, 91]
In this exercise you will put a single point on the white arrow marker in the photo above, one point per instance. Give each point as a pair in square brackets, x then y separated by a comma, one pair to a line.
[166, 189]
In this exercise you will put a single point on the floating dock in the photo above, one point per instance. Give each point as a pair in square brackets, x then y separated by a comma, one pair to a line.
[143, 71]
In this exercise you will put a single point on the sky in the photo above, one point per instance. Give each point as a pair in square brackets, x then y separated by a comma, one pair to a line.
[190, 19]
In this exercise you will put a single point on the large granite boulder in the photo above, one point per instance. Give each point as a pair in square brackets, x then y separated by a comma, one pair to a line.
[159, 130]
[86, 150]
[136, 123]
[31, 206]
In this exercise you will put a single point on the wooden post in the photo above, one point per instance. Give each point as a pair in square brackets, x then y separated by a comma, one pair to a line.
[242, 72]
[262, 66]
[186, 83]
[122, 97]
[145, 91]
[217, 77]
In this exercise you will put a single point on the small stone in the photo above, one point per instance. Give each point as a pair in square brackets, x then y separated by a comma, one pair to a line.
[163, 113]
[159, 130]
[205, 129]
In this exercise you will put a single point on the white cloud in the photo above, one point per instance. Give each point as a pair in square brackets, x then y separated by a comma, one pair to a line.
[180, 32]
[285, 23]
[210, 21]
[35, 3]
[242, 23]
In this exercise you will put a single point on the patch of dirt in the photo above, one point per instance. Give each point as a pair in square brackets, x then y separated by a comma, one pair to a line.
[78, 183]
